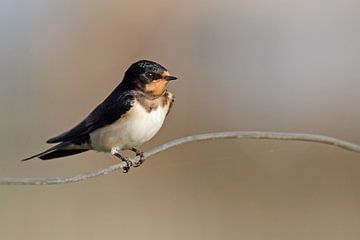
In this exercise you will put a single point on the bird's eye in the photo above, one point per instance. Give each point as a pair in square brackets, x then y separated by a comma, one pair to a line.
[150, 75]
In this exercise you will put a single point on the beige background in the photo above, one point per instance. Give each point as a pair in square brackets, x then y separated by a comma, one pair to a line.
[242, 65]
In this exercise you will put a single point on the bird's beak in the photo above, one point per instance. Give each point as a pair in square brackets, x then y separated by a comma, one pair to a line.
[166, 75]
[170, 78]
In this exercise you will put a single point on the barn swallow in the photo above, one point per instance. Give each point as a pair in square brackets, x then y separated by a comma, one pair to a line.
[130, 116]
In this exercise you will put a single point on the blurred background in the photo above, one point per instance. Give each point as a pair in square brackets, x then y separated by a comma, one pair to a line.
[242, 65]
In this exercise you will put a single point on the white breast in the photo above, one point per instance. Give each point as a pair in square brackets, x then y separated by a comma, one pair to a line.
[133, 129]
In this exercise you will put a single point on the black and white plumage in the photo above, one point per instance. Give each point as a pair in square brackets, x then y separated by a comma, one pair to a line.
[131, 115]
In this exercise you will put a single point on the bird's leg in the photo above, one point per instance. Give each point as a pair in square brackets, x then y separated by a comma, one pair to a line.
[116, 153]
[140, 154]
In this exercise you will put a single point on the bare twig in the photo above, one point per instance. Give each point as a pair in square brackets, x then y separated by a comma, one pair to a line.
[194, 138]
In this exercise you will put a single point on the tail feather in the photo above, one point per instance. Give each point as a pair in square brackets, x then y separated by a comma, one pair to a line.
[56, 151]
[61, 153]
[33, 156]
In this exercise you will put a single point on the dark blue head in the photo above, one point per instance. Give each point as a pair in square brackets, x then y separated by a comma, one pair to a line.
[148, 76]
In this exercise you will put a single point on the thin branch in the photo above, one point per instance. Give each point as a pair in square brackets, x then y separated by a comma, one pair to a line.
[179, 141]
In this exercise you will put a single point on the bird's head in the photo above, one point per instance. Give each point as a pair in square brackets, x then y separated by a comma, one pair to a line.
[149, 77]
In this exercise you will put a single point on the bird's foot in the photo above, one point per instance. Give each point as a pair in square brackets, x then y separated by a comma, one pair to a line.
[125, 160]
[127, 166]
[140, 154]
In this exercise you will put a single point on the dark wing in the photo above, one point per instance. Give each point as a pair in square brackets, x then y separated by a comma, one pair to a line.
[110, 110]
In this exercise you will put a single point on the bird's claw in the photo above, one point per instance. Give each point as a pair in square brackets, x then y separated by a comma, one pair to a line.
[138, 163]
[125, 160]
[141, 159]
[127, 166]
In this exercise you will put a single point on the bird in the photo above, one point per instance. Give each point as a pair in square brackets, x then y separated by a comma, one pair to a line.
[131, 115]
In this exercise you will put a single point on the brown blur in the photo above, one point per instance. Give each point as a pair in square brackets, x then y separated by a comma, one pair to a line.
[242, 65]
